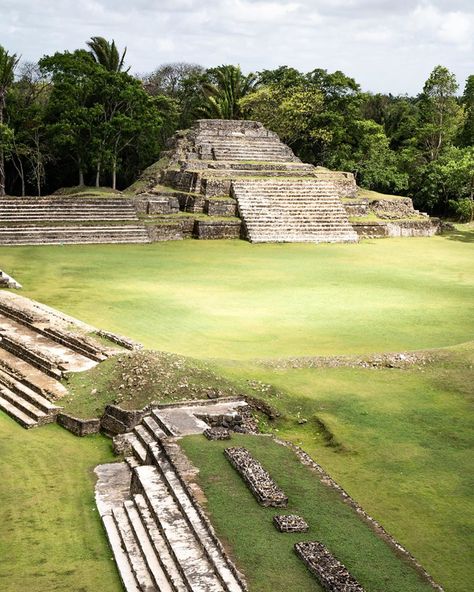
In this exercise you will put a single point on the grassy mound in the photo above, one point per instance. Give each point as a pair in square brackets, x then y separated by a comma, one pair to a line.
[134, 379]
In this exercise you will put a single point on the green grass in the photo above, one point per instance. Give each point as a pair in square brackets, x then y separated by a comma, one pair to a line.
[399, 441]
[230, 299]
[266, 556]
[51, 536]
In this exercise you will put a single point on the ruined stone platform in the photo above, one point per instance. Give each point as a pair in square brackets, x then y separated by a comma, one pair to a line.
[38, 347]
[159, 534]
[240, 170]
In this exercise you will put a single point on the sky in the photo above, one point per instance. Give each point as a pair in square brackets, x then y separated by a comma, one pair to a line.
[386, 45]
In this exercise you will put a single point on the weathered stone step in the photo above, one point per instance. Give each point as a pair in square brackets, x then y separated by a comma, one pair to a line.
[30, 376]
[193, 517]
[22, 350]
[155, 536]
[28, 394]
[155, 568]
[133, 551]
[38, 416]
[121, 558]
[22, 418]
[195, 566]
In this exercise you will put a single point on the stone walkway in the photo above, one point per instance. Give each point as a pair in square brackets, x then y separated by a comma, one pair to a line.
[158, 532]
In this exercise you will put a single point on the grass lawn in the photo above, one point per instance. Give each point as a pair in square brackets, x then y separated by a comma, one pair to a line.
[51, 537]
[233, 300]
[267, 556]
[399, 441]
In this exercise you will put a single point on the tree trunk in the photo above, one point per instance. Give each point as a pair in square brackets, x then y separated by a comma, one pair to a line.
[114, 175]
[2, 156]
[81, 176]
[97, 175]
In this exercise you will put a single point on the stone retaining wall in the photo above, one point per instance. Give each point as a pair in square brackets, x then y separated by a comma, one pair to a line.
[79, 427]
[116, 420]
[405, 228]
[213, 229]
[256, 477]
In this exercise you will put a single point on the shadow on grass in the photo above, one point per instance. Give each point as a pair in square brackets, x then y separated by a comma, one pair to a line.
[462, 236]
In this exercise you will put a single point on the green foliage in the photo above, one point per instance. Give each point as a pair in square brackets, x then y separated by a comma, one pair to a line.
[463, 209]
[450, 178]
[106, 54]
[223, 89]
[467, 133]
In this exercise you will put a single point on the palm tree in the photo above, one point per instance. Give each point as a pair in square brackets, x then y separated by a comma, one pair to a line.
[106, 54]
[8, 63]
[222, 95]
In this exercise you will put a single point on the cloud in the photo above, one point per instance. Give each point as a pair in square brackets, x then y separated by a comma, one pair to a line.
[386, 45]
[447, 27]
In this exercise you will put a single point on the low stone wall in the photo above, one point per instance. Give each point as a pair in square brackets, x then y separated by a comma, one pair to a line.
[217, 229]
[332, 575]
[290, 523]
[220, 207]
[79, 427]
[116, 420]
[256, 477]
[392, 209]
[171, 230]
[405, 228]
[359, 207]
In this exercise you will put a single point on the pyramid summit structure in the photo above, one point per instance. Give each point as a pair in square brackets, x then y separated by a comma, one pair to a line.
[240, 167]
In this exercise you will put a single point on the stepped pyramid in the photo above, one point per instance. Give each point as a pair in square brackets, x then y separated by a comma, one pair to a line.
[224, 167]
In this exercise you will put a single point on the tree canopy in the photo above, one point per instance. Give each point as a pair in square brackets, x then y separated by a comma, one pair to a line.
[81, 117]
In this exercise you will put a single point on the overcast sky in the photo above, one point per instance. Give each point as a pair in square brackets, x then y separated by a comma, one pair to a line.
[386, 45]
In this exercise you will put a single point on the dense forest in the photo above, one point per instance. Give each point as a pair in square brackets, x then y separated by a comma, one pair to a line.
[82, 118]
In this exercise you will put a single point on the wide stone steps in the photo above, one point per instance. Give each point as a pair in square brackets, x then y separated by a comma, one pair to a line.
[23, 404]
[193, 517]
[195, 566]
[73, 235]
[292, 211]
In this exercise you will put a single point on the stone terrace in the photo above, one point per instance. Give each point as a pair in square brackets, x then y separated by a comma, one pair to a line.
[38, 346]
[69, 220]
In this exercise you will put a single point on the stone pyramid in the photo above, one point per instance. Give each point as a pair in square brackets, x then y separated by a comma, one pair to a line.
[240, 166]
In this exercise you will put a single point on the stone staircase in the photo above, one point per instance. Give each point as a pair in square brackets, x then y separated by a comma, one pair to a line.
[37, 349]
[55, 235]
[160, 536]
[292, 210]
[32, 221]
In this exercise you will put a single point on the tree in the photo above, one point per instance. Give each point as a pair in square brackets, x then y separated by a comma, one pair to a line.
[106, 54]
[28, 98]
[447, 181]
[440, 113]
[467, 133]
[8, 64]
[223, 91]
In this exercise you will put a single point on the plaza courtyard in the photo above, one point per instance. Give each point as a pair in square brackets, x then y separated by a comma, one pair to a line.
[398, 439]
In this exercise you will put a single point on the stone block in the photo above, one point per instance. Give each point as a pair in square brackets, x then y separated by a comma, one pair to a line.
[290, 523]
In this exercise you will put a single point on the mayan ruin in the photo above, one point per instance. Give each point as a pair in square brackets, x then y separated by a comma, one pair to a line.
[236, 296]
